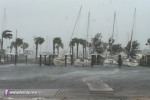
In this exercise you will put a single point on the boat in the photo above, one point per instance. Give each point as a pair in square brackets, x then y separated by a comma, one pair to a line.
[111, 59]
[130, 59]
[82, 62]
[130, 62]
[87, 60]
[60, 60]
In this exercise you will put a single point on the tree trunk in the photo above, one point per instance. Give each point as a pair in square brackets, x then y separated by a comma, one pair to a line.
[83, 52]
[77, 50]
[16, 50]
[72, 50]
[2, 43]
[53, 48]
[36, 50]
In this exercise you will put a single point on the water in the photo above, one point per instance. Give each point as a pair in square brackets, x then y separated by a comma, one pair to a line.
[21, 71]
[125, 80]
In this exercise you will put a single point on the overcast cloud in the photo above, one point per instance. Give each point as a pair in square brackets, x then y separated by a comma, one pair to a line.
[57, 18]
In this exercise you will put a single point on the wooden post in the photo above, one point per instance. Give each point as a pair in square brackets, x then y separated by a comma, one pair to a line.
[15, 59]
[49, 60]
[26, 59]
[65, 60]
[53, 56]
[40, 59]
[0, 58]
[45, 59]
[71, 59]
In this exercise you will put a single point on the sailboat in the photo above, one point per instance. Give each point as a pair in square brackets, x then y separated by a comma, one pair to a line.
[128, 59]
[110, 59]
[85, 61]
[60, 60]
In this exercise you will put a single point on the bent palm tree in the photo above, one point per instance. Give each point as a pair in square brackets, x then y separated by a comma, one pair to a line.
[12, 45]
[56, 41]
[148, 41]
[76, 40]
[7, 35]
[24, 46]
[58, 46]
[18, 43]
[72, 44]
[83, 43]
[38, 41]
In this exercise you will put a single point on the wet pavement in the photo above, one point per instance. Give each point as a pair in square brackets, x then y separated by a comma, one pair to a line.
[71, 81]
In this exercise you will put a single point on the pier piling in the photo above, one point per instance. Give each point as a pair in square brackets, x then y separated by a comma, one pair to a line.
[40, 59]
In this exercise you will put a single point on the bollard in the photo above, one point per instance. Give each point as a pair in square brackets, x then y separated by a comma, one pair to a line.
[49, 60]
[26, 59]
[45, 59]
[93, 62]
[0, 58]
[15, 59]
[71, 59]
[53, 56]
[65, 60]
[40, 59]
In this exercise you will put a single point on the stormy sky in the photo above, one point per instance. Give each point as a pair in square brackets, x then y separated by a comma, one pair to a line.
[56, 18]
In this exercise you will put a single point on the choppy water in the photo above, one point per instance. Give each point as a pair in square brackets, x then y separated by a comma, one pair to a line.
[72, 76]
[21, 71]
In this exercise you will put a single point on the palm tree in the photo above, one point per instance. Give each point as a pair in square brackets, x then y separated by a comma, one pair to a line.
[38, 41]
[83, 43]
[97, 42]
[135, 46]
[57, 47]
[148, 42]
[76, 40]
[56, 41]
[72, 44]
[24, 46]
[7, 35]
[116, 48]
[12, 45]
[18, 43]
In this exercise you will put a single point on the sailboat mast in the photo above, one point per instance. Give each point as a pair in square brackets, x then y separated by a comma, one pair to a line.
[114, 25]
[132, 30]
[76, 22]
[88, 26]
[113, 29]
